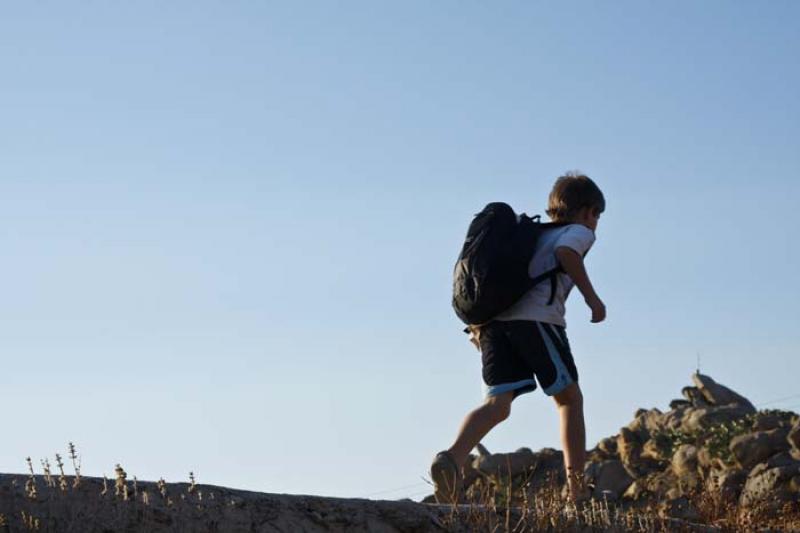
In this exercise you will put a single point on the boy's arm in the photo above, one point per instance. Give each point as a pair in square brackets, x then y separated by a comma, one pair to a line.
[572, 263]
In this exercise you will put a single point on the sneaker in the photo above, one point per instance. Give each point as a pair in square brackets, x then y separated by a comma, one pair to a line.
[446, 476]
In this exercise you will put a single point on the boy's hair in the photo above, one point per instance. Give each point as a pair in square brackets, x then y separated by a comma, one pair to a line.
[572, 192]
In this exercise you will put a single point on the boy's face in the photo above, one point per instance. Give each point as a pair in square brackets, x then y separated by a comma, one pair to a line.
[589, 217]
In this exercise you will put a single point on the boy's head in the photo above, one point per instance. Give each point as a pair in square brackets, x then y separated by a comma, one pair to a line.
[575, 198]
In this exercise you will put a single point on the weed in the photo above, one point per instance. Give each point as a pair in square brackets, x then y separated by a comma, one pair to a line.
[76, 465]
[62, 478]
[30, 485]
[121, 485]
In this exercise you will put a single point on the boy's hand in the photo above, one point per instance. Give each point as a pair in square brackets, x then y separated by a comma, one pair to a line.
[598, 309]
[474, 337]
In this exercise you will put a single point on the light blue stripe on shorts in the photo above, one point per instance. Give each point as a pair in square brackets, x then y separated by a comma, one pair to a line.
[563, 379]
[525, 385]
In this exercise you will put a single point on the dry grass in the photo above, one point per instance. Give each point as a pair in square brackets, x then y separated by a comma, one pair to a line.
[514, 506]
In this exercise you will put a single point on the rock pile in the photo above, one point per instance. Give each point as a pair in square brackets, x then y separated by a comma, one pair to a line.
[711, 441]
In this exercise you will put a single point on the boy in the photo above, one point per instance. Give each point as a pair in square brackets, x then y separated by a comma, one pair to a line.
[529, 338]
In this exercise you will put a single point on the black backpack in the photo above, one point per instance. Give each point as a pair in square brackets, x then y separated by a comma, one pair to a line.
[491, 273]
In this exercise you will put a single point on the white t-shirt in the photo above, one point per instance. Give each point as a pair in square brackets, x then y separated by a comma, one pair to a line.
[533, 304]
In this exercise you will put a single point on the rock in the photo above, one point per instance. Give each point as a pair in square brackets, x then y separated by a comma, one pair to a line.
[609, 478]
[647, 423]
[717, 394]
[504, 465]
[753, 448]
[782, 459]
[636, 491]
[704, 459]
[765, 421]
[695, 397]
[428, 499]
[675, 404]
[469, 473]
[629, 448]
[673, 419]
[80, 509]
[595, 455]
[549, 468]
[608, 446]
[679, 508]
[656, 450]
[654, 486]
[793, 437]
[537, 469]
[700, 419]
[769, 484]
[684, 461]
[727, 483]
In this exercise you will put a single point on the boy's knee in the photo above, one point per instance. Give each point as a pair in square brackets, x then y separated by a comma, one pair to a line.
[570, 396]
[501, 405]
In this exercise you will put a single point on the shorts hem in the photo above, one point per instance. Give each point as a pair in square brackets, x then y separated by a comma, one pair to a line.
[519, 387]
[558, 386]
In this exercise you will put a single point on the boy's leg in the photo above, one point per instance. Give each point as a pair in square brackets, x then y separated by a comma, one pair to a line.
[446, 467]
[573, 438]
[506, 375]
[478, 423]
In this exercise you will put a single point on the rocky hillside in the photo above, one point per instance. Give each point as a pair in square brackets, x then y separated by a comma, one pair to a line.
[711, 462]
[711, 453]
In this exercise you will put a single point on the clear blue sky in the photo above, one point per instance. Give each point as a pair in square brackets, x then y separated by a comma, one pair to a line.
[228, 228]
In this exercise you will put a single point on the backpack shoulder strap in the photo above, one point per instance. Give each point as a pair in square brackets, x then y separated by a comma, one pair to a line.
[551, 275]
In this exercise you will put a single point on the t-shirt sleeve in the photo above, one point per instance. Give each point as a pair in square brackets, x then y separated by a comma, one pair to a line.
[577, 237]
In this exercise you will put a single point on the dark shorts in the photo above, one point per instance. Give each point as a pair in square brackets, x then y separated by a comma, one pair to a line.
[515, 351]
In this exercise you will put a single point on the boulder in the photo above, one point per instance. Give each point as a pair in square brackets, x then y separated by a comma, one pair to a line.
[629, 448]
[608, 446]
[793, 437]
[702, 418]
[653, 486]
[753, 448]
[684, 461]
[596, 455]
[705, 461]
[727, 483]
[765, 421]
[637, 491]
[657, 450]
[647, 422]
[504, 465]
[549, 470]
[782, 459]
[717, 394]
[609, 479]
[469, 472]
[675, 404]
[673, 419]
[773, 484]
[695, 397]
[679, 508]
